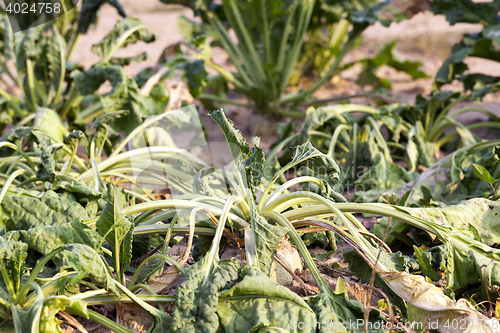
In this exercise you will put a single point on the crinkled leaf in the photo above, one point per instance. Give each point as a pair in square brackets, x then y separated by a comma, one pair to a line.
[16, 135]
[267, 239]
[24, 211]
[73, 138]
[125, 94]
[125, 61]
[256, 302]
[478, 213]
[312, 158]
[80, 189]
[197, 302]
[451, 179]
[254, 165]
[128, 31]
[45, 239]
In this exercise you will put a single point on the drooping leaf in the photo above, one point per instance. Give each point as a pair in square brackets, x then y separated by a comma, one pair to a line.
[128, 31]
[257, 301]
[116, 229]
[125, 94]
[477, 213]
[451, 179]
[89, 264]
[52, 306]
[73, 138]
[125, 61]
[310, 157]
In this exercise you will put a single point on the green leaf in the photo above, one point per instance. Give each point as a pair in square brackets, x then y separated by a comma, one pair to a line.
[483, 174]
[196, 76]
[89, 264]
[49, 122]
[24, 211]
[128, 31]
[116, 229]
[249, 162]
[197, 301]
[389, 57]
[45, 239]
[257, 301]
[362, 20]
[13, 255]
[478, 213]
[267, 239]
[125, 61]
[466, 11]
[239, 147]
[73, 138]
[88, 14]
[27, 319]
[452, 178]
[52, 306]
[125, 94]
[312, 158]
[425, 264]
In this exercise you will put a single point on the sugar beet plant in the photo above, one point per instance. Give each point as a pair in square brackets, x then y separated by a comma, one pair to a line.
[69, 236]
[38, 71]
[270, 38]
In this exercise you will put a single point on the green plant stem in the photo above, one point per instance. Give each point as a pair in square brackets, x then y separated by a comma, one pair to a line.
[92, 111]
[443, 140]
[216, 98]
[73, 93]
[8, 284]
[5, 95]
[74, 43]
[282, 220]
[333, 67]
[31, 83]
[103, 321]
[159, 229]
[96, 300]
[20, 151]
[7, 183]
[156, 256]
[38, 268]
